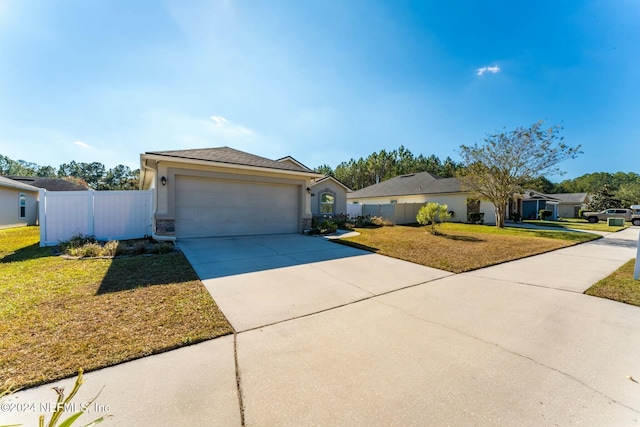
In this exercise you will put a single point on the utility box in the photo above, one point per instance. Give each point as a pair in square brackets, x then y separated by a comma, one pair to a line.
[615, 222]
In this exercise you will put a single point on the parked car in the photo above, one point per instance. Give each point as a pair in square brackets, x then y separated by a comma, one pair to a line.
[632, 215]
[635, 216]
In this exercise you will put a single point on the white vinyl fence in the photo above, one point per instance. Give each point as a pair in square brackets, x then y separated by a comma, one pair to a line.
[399, 213]
[106, 215]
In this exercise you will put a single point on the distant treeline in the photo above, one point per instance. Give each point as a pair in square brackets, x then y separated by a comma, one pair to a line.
[377, 167]
[380, 166]
[91, 175]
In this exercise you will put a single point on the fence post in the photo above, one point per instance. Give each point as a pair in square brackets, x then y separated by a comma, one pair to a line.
[636, 272]
[42, 216]
[90, 215]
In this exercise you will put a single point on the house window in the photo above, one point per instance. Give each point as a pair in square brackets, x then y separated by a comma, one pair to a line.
[327, 203]
[23, 206]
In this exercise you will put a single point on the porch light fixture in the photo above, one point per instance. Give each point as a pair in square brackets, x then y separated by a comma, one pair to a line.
[308, 190]
[163, 180]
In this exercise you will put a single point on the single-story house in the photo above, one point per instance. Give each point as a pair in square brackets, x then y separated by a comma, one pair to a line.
[226, 192]
[18, 203]
[570, 204]
[533, 202]
[421, 188]
[564, 205]
[328, 197]
[49, 184]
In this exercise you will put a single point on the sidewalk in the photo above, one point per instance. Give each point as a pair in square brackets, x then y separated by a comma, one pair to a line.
[513, 344]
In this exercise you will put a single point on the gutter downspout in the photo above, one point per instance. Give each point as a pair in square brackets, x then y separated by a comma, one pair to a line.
[155, 209]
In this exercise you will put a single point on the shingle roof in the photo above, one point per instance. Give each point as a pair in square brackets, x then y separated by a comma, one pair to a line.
[230, 156]
[536, 195]
[571, 197]
[6, 182]
[49, 184]
[576, 198]
[405, 185]
[332, 178]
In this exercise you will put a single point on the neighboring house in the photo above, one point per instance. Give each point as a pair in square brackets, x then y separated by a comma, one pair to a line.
[533, 202]
[328, 197]
[18, 204]
[564, 205]
[570, 204]
[226, 192]
[421, 188]
[49, 184]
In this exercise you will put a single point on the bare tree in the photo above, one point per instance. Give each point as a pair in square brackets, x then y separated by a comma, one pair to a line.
[496, 170]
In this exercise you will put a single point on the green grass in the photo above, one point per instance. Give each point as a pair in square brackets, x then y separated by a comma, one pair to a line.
[462, 247]
[619, 286]
[578, 224]
[60, 315]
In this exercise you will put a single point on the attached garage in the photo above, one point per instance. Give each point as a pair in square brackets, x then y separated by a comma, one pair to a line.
[219, 207]
[225, 192]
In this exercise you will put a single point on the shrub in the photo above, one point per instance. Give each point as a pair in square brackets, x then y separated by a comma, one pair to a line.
[76, 241]
[363, 221]
[544, 214]
[475, 217]
[138, 248]
[110, 248]
[161, 248]
[516, 217]
[380, 221]
[90, 250]
[433, 214]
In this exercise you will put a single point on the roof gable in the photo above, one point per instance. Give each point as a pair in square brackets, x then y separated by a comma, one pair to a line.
[330, 178]
[229, 156]
[410, 184]
[292, 161]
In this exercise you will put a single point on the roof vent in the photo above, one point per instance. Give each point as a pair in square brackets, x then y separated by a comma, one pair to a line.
[407, 175]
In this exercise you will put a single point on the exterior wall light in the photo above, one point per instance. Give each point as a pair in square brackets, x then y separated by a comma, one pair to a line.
[163, 180]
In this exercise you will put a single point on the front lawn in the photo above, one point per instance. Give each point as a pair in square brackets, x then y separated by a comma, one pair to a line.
[462, 247]
[59, 315]
[619, 286]
[578, 224]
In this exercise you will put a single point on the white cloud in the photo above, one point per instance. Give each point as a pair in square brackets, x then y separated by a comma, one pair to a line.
[219, 120]
[495, 69]
[230, 128]
[82, 144]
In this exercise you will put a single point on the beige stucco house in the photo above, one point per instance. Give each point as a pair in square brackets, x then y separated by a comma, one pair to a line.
[226, 192]
[422, 188]
[18, 204]
[328, 197]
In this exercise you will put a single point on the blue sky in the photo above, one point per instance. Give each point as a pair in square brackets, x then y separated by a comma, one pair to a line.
[322, 81]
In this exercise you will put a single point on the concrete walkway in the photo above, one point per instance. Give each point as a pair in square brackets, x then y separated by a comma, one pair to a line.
[388, 343]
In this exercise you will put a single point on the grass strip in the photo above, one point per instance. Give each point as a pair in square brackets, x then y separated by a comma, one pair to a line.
[462, 247]
[619, 286]
[60, 315]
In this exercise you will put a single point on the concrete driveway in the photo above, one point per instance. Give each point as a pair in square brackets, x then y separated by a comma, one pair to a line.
[262, 280]
[331, 335]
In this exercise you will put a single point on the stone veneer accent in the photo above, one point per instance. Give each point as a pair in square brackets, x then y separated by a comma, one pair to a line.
[165, 227]
[305, 224]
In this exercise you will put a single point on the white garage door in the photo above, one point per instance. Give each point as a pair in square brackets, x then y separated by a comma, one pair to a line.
[219, 207]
